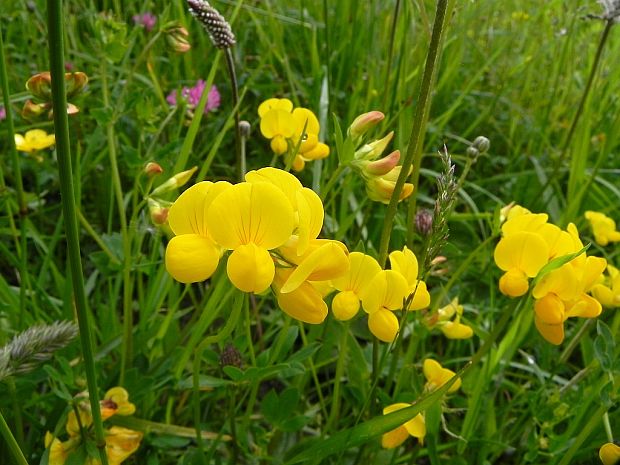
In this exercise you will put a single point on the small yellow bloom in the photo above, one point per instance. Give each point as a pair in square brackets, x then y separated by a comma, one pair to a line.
[385, 293]
[305, 303]
[405, 262]
[121, 443]
[449, 321]
[609, 454]
[415, 427]
[607, 290]
[603, 228]
[116, 402]
[436, 376]
[362, 269]
[34, 140]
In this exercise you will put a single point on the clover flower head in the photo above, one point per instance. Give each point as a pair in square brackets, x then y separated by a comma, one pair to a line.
[192, 95]
[146, 20]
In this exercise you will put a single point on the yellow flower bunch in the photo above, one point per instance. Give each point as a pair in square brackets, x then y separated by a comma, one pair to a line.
[291, 130]
[379, 172]
[528, 243]
[34, 140]
[270, 224]
[380, 292]
[448, 320]
[120, 442]
[603, 228]
[436, 376]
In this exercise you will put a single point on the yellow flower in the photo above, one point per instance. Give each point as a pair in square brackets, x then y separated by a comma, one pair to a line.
[453, 328]
[250, 219]
[305, 303]
[415, 427]
[406, 263]
[385, 293]
[34, 140]
[436, 376]
[192, 255]
[121, 443]
[59, 451]
[603, 228]
[607, 290]
[116, 402]
[362, 268]
[609, 454]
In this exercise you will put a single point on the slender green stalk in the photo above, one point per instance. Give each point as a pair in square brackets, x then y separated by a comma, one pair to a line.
[230, 66]
[16, 452]
[567, 457]
[127, 342]
[61, 127]
[388, 66]
[413, 155]
[342, 359]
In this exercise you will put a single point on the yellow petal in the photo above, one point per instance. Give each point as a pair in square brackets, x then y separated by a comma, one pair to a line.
[524, 251]
[245, 213]
[609, 454]
[121, 443]
[275, 103]
[187, 215]
[592, 270]
[405, 262]
[20, 143]
[529, 222]
[327, 262]
[437, 376]
[317, 152]
[559, 242]
[191, 258]
[604, 295]
[394, 438]
[310, 215]
[120, 397]
[387, 289]
[277, 122]
[421, 297]
[37, 139]
[279, 145]
[383, 324]
[584, 307]
[513, 283]
[456, 330]
[305, 118]
[250, 268]
[550, 309]
[284, 181]
[298, 163]
[304, 303]
[416, 427]
[361, 271]
[552, 333]
[561, 282]
[345, 305]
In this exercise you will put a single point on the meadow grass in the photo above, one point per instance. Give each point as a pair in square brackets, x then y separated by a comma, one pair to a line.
[220, 376]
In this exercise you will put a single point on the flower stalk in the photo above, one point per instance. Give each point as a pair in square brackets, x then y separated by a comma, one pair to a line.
[61, 125]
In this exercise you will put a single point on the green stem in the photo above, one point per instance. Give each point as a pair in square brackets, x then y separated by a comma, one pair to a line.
[388, 66]
[61, 127]
[342, 358]
[583, 435]
[127, 342]
[413, 155]
[16, 452]
[230, 66]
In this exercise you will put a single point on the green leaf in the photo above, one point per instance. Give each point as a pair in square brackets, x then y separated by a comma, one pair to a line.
[204, 382]
[320, 448]
[338, 139]
[556, 263]
[604, 346]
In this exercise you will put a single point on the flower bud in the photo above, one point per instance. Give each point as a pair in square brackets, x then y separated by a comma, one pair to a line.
[479, 146]
[177, 39]
[175, 181]
[159, 214]
[33, 111]
[373, 150]
[380, 189]
[75, 83]
[245, 128]
[364, 123]
[152, 169]
[424, 222]
[383, 165]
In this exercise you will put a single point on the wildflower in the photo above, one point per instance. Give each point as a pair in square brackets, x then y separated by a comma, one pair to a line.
[40, 85]
[146, 20]
[34, 140]
[120, 443]
[609, 454]
[603, 228]
[176, 38]
[2, 113]
[387, 292]
[607, 290]
[415, 427]
[276, 123]
[152, 169]
[176, 181]
[406, 263]
[436, 376]
[424, 222]
[364, 123]
[449, 321]
[193, 255]
[510, 211]
[192, 95]
[352, 285]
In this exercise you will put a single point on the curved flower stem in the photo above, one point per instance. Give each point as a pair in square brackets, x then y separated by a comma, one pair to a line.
[61, 127]
[230, 66]
[16, 452]
[413, 156]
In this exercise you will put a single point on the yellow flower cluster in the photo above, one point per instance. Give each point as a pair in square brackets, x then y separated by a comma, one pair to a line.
[448, 320]
[271, 223]
[529, 242]
[603, 228]
[380, 292]
[120, 442]
[436, 376]
[291, 130]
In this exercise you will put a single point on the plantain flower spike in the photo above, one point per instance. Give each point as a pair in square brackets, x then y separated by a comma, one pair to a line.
[216, 25]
